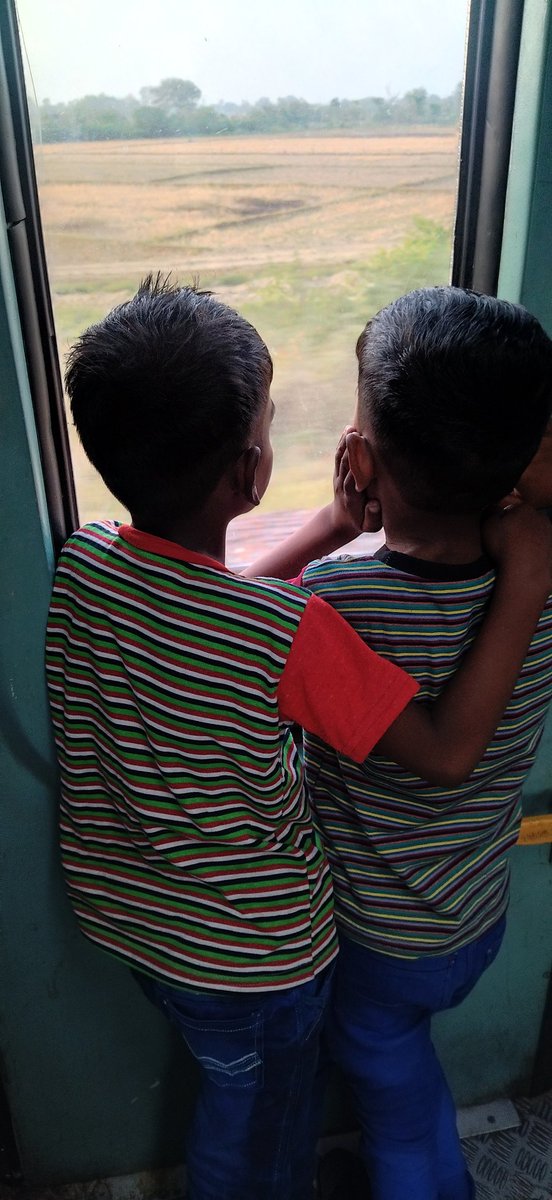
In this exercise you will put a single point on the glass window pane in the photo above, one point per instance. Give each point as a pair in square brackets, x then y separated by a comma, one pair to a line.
[306, 213]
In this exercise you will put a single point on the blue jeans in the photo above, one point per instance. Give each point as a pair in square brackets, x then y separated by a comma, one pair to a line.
[379, 1033]
[255, 1126]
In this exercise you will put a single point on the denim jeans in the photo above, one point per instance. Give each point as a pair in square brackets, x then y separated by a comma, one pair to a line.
[379, 1032]
[255, 1126]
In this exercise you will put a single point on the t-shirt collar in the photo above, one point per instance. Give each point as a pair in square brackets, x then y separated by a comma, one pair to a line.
[437, 571]
[167, 549]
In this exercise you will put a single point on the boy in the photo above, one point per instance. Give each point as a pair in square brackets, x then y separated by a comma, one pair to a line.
[187, 842]
[454, 392]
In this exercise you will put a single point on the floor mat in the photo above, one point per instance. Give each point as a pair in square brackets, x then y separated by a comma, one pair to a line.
[515, 1164]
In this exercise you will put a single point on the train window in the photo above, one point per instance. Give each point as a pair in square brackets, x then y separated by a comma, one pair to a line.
[300, 161]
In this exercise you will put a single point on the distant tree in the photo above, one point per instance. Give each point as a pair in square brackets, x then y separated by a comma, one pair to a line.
[174, 95]
[206, 120]
[413, 106]
[97, 118]
[172, 109]
[49, 122]
[381, 109]
[293, 113]
[451, 106]
[146, 97]
[228, 107]
[150, 122]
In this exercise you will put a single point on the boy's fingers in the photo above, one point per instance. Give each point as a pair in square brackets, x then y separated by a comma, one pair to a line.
[341, 468]
[516, 531]
[339, 451]
[349, 486]
[342, 445]
[343, 435]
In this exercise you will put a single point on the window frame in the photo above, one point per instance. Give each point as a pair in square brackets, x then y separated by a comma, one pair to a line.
[24, 229]
[492, 54]
[490, 78]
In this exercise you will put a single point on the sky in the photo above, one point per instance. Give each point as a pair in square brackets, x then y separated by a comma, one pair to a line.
[244, 49]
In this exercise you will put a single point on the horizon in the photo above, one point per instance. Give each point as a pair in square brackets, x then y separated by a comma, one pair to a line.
[250, 103]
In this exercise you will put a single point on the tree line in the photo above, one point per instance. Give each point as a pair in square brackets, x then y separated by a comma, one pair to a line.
[173, 109]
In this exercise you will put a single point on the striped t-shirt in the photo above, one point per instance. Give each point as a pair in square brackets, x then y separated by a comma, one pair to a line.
[187, 843]
[417, 869]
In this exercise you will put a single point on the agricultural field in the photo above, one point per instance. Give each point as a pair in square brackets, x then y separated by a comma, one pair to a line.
[306, 236]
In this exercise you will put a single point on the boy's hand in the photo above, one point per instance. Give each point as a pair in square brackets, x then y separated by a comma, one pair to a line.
[352, 510]
[519, 540]
[535, 485]
[349, 514]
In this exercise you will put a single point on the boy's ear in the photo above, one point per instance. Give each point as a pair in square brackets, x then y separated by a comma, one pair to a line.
[361, 460]
[247, 474]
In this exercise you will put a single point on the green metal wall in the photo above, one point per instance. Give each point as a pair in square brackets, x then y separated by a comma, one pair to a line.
[97, 1083]
[526, 261]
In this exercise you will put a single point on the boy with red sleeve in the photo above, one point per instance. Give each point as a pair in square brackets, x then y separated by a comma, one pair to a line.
[455, 390]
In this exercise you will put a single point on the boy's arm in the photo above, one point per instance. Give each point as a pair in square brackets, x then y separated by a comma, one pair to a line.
[319, 536]
[338, 689]
[535, 485]
[349, 514]
[443, 742]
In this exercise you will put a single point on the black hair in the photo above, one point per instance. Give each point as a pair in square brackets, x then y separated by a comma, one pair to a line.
[164, 392]
[458, 389]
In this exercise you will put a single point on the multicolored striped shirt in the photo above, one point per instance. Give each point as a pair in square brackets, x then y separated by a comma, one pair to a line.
[188, 846]
[419, 870]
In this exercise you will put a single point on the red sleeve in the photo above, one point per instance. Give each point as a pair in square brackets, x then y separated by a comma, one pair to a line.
[336, 687]
[298, 579]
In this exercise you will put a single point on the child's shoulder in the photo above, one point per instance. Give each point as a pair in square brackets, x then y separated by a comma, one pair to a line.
[341, 568]
[395, 571]
[100, 538]
[291, 590]
[100, 530]
[98, 534]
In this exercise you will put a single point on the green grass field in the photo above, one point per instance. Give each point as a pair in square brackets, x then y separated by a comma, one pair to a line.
[306, 236]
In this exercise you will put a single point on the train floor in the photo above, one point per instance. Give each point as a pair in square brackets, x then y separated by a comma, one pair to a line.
[515, 1164]
[510, 1164]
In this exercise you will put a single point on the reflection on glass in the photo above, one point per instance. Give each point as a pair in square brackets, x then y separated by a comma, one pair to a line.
[306, 215]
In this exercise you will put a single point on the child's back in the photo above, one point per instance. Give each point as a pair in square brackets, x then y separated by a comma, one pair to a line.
[194, 811]
[417, 869]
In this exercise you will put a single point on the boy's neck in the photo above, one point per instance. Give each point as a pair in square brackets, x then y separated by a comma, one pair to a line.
[193, 535]
[204, 529]
[434, 537]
